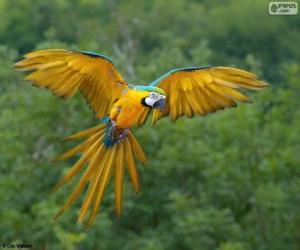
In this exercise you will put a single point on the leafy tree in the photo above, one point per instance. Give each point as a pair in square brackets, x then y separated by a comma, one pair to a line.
[229, 181]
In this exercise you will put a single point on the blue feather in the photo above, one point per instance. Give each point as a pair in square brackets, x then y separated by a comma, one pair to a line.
[192, 68]
[105, 119]
[108, 140]
[150, 89]
[95, 55]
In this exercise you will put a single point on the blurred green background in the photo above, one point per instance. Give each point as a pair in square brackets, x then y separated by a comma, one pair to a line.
[229, 181]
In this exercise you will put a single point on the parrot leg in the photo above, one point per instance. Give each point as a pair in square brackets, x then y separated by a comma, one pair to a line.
[123, 134]
[112, 130]
[114, 135]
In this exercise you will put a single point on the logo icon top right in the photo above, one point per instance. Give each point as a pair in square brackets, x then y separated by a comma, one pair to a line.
[283, 8]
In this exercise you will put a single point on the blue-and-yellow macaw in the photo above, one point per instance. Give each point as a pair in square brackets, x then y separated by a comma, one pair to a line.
[111, 146]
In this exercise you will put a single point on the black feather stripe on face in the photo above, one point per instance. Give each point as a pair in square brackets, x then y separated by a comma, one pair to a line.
[143, 102]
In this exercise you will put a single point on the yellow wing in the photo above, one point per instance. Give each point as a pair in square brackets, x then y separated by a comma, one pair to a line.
[204, 90]
[66, 71]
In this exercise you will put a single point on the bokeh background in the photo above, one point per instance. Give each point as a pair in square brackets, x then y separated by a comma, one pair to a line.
[229, 181]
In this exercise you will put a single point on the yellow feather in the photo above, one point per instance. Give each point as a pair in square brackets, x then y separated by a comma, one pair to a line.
[119, 176]
[226, 102]
[202, 78]
[79, 148]
[214, 98]
[202, 101]
[173, 95]
[144, 116]
[105, 175]
[234, 71]
[78, 189]
[186, 84]
[89, 196]
[94, 182]
[68, 77]
[231, 93]
[131, 167]
[138, 151]
[155, 116]
[78, 165]
[187, 107]
[45, 52]
[69, 86]
[86, 133]
[195, 103]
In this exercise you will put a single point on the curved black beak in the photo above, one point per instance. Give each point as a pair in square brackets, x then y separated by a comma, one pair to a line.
[160, 104]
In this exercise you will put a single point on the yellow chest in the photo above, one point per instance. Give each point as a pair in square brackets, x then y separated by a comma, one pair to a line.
[130, 108]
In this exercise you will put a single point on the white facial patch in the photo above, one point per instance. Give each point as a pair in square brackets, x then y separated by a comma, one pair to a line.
[149, 101]
[152, 98]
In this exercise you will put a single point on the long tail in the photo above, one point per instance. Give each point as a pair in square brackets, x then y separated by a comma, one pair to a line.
[101, 162]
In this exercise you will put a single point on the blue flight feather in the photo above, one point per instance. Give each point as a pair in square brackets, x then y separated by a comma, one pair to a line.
[150, 89]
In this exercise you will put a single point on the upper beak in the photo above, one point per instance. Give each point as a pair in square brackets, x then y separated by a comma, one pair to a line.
[160, 104]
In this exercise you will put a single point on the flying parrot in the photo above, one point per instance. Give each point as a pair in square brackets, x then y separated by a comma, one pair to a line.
[110, 147]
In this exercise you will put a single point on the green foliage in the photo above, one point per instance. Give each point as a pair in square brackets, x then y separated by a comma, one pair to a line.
[229, 181]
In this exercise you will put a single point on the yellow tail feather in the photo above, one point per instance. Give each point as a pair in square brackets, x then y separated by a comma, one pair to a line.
[101, 162]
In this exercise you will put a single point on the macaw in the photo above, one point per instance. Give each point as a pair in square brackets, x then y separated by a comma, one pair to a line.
[110, 147]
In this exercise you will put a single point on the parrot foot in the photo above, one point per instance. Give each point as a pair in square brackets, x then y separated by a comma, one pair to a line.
[112, 130]
[123, 134]
[114, 135]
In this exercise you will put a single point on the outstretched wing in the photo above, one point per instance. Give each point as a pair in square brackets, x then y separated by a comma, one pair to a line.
[203, 90]
[66, 71]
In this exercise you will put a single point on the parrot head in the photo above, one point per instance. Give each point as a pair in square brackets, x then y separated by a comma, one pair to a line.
[156, 97]
[155, 100]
